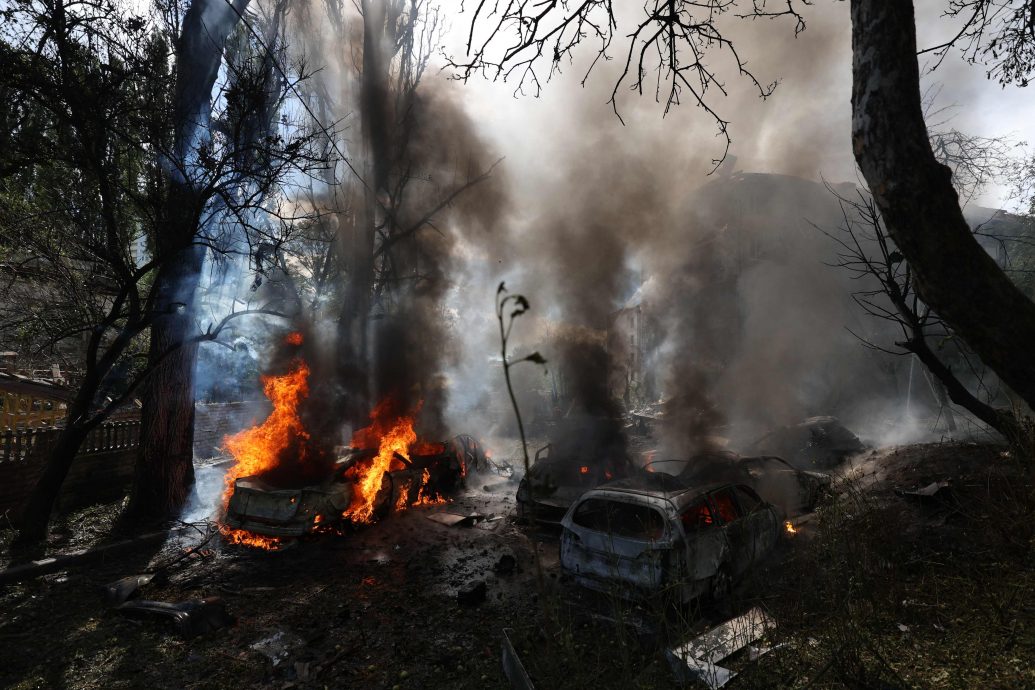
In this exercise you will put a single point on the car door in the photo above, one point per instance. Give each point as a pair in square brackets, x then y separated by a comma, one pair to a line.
[705, 543]
[738, 532]
[761, 524]
[614, 541]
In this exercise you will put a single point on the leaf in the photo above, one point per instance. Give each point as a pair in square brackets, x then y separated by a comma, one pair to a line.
[536, 358]
[894, 258]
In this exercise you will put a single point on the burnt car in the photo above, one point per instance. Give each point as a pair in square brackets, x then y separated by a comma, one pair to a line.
[792, 491]
[816, 443]
[554, 481]
[653, 534]
[264, 509]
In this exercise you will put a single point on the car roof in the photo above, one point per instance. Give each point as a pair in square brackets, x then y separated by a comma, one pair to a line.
[658, 485]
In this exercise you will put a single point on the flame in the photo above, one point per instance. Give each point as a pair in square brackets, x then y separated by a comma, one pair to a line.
[394, 437]
[391, 435]
[789, 527]
[240, 536]
[584, 469]
[293, 338]
[258, 449]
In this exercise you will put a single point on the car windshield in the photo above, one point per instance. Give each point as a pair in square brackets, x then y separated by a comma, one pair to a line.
[620, 519]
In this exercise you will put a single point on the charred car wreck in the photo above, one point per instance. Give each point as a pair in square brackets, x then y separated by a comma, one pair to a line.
[261, 508]
[649, 534]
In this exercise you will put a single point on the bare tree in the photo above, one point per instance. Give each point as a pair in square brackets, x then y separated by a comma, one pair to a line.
[889, 295]
[674, 41]
[84, 212]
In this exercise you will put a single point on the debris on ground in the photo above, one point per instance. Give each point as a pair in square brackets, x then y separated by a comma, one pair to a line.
[123, 589]
[697, 660]
[278, 646]
[189, 618]
[933, 491]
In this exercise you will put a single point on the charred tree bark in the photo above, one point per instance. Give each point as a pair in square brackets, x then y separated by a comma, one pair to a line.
[920, 208]
[165, 464]
[165, 469]
[353, 325]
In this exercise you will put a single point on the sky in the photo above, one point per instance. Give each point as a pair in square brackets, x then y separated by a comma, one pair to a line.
[803, 129]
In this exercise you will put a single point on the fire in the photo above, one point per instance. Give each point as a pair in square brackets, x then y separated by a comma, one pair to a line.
[422, 498]
[258, 449]
[394, 437]
[790, 528]
[240, 536]
[584, 469]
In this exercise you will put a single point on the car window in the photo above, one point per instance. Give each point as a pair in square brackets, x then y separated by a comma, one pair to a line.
[697, 516]
[620, 519]
[748, 499]
[724, 505]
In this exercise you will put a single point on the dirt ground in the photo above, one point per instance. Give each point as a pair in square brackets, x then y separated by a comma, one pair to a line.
[880, 590]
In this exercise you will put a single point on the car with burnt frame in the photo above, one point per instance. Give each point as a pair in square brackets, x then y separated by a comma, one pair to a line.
[556, 479]
[793, 491]
[653, 533]
[258, 506]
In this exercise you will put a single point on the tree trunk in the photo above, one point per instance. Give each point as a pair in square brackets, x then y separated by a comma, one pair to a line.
[353, 326]
[165, 469]
[165, 465]
[36, 515]
[920, 208]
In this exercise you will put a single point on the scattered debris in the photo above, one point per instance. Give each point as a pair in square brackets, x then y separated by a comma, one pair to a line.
[455, 519]
[697, 659]
[190, 618]
[121, 590]
[278, 646]
[472, 594]
[933, 491]
[513, 669]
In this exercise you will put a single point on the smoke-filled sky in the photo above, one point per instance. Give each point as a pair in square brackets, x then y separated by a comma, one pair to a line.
[802, 129]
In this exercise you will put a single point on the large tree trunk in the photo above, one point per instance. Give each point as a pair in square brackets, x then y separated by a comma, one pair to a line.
[165, 468]
[353, 326]
[920, 208]
[165, 465]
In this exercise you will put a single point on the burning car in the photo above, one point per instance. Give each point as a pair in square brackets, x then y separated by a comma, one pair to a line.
[419, 478]
[553, 482]
[643, 535]
[791, 490]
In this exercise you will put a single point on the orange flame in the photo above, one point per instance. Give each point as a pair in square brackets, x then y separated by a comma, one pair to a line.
[789, 526]
[258, 449]
[394, 436]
